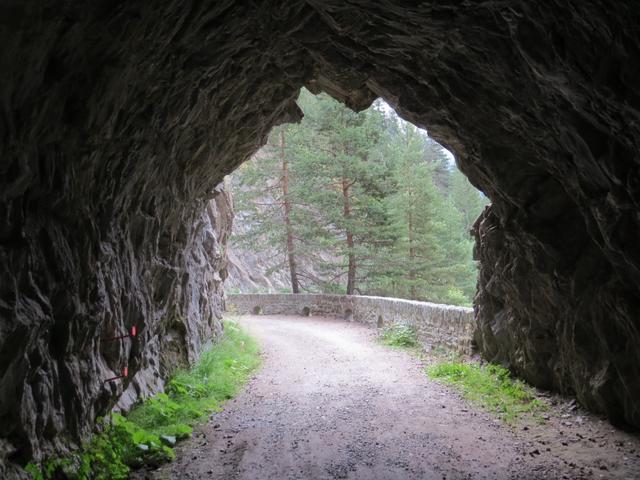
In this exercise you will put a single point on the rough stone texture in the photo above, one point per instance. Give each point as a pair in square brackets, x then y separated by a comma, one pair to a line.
[436, 325]
[117, 119]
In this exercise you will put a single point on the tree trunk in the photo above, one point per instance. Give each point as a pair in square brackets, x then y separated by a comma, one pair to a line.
[346, 211]
[295, 287]
[412, 256]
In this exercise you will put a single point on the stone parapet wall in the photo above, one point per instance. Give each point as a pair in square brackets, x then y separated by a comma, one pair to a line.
[437, 325]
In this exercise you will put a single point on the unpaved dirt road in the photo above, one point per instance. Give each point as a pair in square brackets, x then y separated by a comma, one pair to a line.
[330, 403]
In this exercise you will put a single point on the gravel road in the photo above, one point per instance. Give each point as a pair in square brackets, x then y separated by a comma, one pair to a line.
[330, 403]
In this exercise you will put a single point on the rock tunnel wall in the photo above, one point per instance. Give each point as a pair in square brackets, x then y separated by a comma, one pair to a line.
[117, 119]
[436, 325]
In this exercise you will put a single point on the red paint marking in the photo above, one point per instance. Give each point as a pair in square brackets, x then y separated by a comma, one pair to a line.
[125, 374]
[133, 333]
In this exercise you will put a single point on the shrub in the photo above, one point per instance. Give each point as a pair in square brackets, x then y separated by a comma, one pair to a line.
[397, 335]
[137, 439]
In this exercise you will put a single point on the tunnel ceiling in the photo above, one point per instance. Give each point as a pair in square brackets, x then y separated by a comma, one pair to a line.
[118, 120]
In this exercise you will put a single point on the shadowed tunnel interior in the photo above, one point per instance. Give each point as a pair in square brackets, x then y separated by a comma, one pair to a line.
[118, 120]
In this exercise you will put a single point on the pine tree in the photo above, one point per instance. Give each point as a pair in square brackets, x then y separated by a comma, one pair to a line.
[429, 254]
[469, 201]
[341, 176]
[265, 204]
[360, 203]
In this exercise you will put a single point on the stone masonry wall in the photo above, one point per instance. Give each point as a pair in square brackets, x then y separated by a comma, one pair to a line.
[437, 325]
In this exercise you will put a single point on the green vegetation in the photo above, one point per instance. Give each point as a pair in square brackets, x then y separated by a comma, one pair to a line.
[489, 386]
[396, 335]
[430, 255]
[146, 434]
[364, 203]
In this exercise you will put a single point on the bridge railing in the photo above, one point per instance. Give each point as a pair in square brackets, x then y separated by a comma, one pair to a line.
[437, 326]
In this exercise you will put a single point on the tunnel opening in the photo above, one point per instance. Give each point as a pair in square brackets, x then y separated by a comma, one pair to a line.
[345, 202]
[111, 148]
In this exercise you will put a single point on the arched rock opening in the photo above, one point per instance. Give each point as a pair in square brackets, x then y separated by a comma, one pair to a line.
[117, 123]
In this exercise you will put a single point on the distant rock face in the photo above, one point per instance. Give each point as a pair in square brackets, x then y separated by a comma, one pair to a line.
[246, 273]
[117, 121]
[262, 270]
[249, 271]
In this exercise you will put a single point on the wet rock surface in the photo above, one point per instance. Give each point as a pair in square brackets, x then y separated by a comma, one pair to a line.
[330, 403]
[118, 120]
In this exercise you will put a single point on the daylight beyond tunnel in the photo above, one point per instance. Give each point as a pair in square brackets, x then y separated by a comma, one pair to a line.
[356, 203]
[118, 121]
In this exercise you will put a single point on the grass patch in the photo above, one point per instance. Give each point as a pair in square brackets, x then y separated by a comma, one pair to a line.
[145, 436]
[396, 335]
[489, 386]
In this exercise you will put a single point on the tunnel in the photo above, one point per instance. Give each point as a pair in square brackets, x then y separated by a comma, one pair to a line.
[118, 121]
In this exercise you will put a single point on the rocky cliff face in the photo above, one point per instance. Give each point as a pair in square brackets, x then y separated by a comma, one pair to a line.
[118, 119]
[57, 353]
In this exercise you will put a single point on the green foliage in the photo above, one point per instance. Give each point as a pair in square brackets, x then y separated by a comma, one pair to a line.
[467, 200]
[489, 386]
[430, 256]
[373, 199]
[333, 288]
[136, 440]
[398, 335]
[118, 446]
[34, 470]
